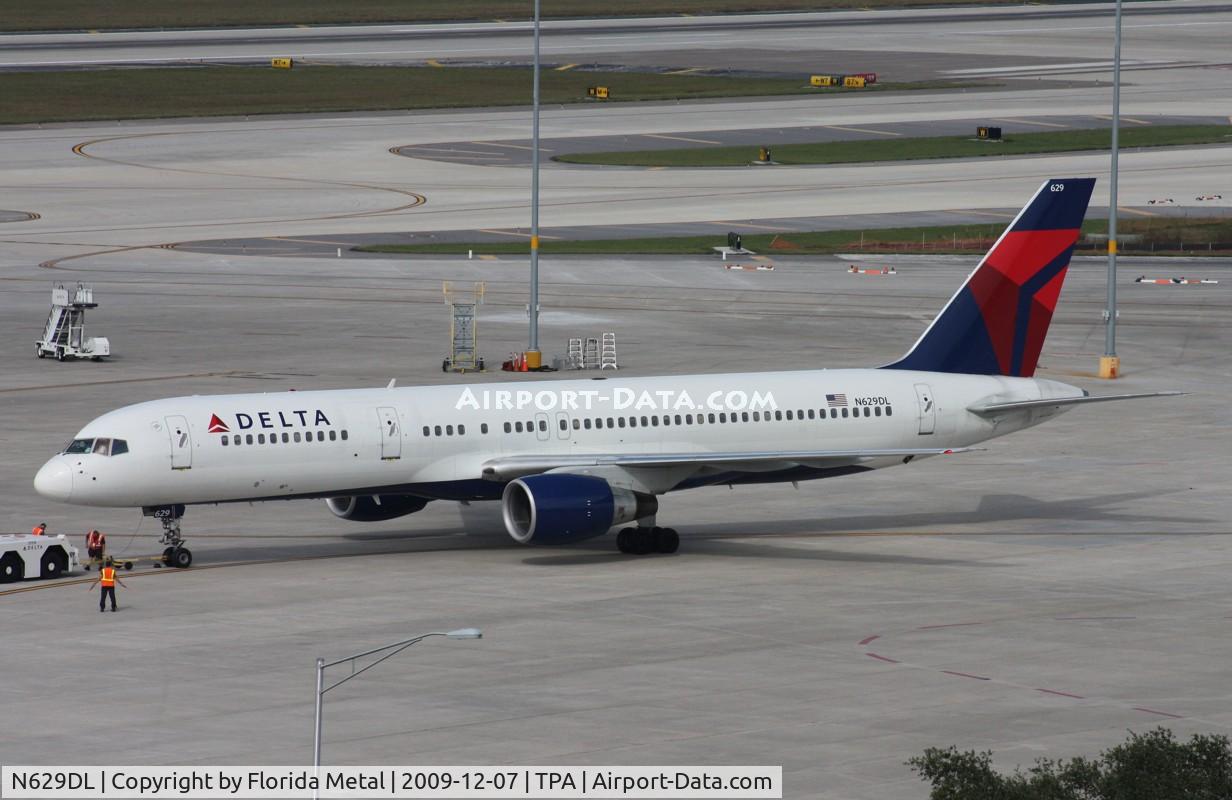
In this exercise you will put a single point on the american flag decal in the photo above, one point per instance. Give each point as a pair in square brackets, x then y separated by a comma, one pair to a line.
[836, 400]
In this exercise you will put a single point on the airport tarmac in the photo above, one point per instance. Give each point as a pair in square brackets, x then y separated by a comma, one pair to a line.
[1037, 598]
[1031, 40]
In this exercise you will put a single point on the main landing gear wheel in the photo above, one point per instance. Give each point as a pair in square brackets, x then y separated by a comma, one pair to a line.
[642, 541]
[181, 558]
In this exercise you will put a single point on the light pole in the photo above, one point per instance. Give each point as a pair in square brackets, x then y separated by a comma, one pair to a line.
[390, 650]
[534, 356]
[1110, 362]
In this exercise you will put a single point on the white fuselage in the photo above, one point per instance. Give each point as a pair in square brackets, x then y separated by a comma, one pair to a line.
[434, 441]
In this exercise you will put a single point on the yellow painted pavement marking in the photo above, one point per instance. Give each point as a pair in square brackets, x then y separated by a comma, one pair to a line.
[684, 71]
[1137, 211]
[432, 62]
[515, 233]
[748, 225]
[565, 67]
[861, 130]
[1032, 122]
[997, 214]
[680, 138]
[488, 258]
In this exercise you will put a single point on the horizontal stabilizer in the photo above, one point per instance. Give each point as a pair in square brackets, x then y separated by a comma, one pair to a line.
[1022, 405]
[511, 467]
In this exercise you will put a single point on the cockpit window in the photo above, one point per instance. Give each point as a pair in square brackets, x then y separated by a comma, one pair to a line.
[99, 447]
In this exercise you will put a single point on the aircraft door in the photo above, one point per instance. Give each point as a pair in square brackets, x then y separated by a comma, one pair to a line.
[928, 408]
[541, 427]
[181, 442]
[562, 425]
[391, 434]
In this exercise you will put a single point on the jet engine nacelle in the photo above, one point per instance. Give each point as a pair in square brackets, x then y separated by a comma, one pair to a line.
[559, 509]
[375, 508]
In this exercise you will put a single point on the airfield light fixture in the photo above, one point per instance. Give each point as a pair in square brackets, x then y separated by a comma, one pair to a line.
[384, 652]
[1110, 363]
[534, 356]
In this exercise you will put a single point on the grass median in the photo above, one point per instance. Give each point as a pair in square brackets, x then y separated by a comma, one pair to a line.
[47, 15]
[27, 97]
[1156, 235]
[913, 148]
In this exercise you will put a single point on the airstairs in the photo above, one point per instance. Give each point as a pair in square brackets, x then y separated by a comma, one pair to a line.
[64, 334]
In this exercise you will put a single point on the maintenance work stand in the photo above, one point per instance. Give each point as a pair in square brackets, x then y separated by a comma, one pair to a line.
[64, 335]
[463, 332]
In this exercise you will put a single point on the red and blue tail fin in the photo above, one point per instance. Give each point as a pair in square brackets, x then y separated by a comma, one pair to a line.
[995, 324]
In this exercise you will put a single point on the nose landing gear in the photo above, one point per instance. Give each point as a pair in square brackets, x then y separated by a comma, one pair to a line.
[175, 554]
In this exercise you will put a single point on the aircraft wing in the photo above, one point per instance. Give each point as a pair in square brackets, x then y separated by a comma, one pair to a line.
[1020, 405]
[510, 467]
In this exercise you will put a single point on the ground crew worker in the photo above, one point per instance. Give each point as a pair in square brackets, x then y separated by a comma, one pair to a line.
[39, 529]
[96, 544]
[107, 579]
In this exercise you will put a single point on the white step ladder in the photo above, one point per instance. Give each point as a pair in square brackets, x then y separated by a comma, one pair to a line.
[576, 360]
[590, 356]
[607, 352]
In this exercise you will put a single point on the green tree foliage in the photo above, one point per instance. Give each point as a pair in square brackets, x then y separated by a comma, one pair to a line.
[1147, 766]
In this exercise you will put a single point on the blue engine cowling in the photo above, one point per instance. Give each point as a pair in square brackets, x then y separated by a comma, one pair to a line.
[375, 508]
[561, 509]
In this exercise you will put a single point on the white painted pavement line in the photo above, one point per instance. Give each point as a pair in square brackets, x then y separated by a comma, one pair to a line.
[542, 149]
[1108, 27]
[428, 149]
[1075, 65]
[1123, 117]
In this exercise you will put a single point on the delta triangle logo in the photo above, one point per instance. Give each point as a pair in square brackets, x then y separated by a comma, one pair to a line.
[217, 425]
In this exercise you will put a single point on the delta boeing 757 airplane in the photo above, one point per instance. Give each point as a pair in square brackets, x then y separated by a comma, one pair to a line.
[569, 459]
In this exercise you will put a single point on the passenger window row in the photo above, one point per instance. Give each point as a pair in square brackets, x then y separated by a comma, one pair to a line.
[448, 430]
[238, 439]
[723, 418]
[668, 420]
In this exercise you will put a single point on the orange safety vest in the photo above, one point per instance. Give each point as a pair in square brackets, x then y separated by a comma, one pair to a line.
[107, 576]
[38, 530]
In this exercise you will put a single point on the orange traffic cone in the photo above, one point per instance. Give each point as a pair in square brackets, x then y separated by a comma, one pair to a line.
[522, 365]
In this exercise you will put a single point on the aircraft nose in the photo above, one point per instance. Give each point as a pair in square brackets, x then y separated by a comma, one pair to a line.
[55, 480]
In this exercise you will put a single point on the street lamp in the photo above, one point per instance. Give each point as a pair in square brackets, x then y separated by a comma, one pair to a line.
[1110, 362]
[534, 356]
[390, 650]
